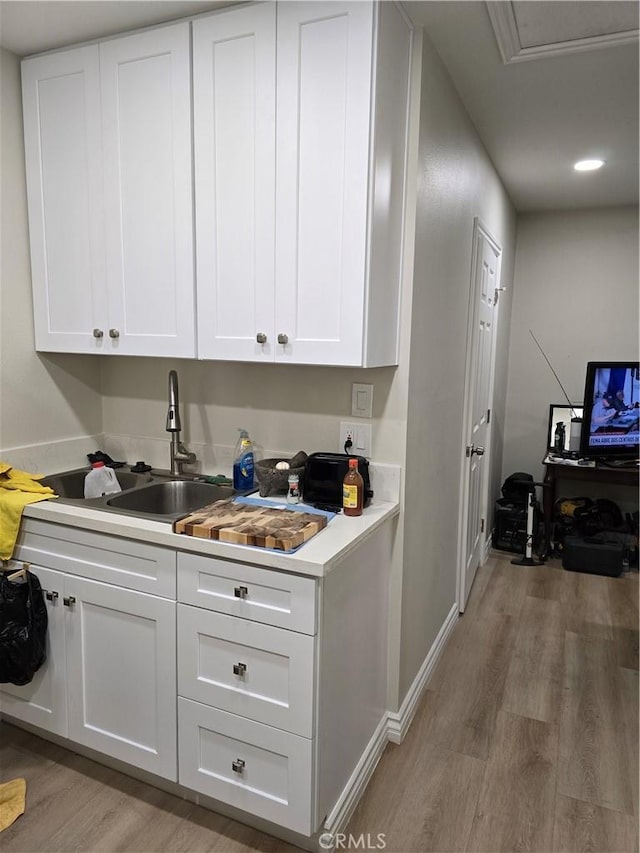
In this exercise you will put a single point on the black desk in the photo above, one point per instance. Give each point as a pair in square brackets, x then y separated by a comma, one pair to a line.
[599, 474]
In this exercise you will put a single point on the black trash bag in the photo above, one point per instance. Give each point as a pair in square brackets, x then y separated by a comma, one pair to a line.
[23, 628]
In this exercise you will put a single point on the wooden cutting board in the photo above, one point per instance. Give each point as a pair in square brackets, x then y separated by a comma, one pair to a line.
[244, 524]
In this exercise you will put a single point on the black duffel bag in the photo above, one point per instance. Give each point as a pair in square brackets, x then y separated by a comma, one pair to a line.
[23, 628]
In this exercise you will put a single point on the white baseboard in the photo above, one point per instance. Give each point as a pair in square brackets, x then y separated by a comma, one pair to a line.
[339, 816]
[399, 721]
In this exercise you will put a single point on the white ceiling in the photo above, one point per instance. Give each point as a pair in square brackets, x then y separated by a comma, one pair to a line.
[536, 118]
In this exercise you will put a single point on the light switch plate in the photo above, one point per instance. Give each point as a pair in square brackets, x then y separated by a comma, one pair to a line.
[361, 400]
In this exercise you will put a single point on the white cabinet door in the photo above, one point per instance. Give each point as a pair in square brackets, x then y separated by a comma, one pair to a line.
[43, 702]
[234, 144]
[122, 674]
[146, 111]
[63, 153]
[324, 65]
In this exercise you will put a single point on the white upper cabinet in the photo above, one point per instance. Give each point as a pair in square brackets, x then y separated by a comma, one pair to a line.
[146, 120]
[235, 167]
[321, 284]
[108, 156]
[62, 129]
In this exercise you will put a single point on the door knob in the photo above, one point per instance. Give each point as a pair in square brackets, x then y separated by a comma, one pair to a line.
[479, 451]
[261, 338]
[283, 339]
[98, 333]
[114, 333]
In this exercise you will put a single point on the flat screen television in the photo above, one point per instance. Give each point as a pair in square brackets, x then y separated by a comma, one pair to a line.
[611, 423]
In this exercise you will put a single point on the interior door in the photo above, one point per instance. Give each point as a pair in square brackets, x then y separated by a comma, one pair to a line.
[478, 395]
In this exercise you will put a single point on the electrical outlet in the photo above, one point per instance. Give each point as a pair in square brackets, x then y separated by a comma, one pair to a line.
[361, 438]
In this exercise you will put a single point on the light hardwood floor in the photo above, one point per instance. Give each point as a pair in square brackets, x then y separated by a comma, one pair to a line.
[526, 740]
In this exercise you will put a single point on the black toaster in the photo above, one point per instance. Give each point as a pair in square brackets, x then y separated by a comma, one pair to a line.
[323, 476]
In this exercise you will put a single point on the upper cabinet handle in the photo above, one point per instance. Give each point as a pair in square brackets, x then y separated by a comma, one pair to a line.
[283, 339]
[114, 333]
[261, 338]
[98, 333]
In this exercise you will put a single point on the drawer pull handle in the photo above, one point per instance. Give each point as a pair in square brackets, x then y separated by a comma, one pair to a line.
[51, 596]
[69, 600]
[241, 592]
[239, 669]
[238, 765]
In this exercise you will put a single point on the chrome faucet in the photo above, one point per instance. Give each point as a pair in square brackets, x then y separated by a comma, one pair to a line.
[179, 453]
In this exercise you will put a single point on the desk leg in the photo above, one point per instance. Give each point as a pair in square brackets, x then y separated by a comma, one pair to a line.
[548, 502]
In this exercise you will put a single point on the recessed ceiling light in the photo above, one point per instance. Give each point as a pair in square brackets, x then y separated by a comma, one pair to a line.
[588, 165]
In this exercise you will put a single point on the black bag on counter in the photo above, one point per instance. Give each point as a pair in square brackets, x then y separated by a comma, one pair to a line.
[23, 628]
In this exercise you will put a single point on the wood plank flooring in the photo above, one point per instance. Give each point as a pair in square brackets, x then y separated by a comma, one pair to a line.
[526, 739]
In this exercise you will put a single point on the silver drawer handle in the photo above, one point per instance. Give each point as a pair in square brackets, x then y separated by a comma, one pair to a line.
[51, 596]
[237, 766]
[240, 669]
[241, 592]
[114, 333]
[261, 338]
[98, 333]
[69, 601]
[283, 339]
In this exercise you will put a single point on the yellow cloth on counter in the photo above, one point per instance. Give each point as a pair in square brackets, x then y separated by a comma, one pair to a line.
[12, 801]
[17, 489]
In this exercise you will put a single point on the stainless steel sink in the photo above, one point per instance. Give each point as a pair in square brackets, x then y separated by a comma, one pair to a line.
[70, 484]
[170, 499]
[156, 495]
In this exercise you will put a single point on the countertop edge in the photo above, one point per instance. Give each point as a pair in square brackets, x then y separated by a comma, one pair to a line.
[315, 558]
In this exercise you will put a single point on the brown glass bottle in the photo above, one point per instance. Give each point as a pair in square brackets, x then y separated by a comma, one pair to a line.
[352, 490]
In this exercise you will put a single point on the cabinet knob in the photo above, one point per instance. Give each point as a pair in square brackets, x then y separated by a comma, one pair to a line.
[241, 592]
[283, 339]
[98, 333]
[239, 669]
[51, 596]
[238, 765]
[261, 338]
[114, 333]
[69, 600]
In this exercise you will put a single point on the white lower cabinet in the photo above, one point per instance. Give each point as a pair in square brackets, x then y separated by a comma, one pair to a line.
[109, 679]
[263, 770]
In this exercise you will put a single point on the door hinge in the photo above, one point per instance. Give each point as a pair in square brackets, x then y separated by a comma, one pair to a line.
[488, 416]
[482, 525]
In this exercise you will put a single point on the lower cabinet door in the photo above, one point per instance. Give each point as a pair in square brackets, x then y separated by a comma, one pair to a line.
[122, 674]
[262, 770]
[43, 702]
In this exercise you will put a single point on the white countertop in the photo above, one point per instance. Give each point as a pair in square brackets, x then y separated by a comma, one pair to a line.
[315, 558]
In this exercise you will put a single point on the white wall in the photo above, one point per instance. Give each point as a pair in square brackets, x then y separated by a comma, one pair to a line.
[456, 183]
[577, 288]
[48, 405]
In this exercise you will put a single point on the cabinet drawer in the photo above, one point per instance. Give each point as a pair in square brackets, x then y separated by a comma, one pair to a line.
[256, 671]
[98, 556]
[272, 778]
[261, 595]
